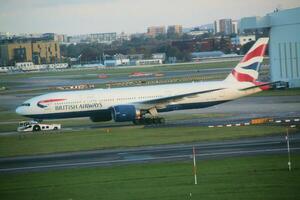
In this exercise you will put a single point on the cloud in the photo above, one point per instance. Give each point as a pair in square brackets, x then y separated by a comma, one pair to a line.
[87, 16]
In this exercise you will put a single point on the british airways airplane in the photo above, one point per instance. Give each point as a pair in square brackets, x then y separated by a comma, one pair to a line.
[142, 104]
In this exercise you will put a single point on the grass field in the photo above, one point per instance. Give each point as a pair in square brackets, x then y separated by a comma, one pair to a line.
[66, 141]
[260, 177]
[159, 68]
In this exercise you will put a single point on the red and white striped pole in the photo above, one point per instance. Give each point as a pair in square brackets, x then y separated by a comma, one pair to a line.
[288, 149]
[195, 165]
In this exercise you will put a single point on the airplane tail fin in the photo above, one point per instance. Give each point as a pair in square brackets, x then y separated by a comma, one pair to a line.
[247, 69]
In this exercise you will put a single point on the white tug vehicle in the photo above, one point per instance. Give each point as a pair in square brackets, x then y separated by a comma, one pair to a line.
[30, 126]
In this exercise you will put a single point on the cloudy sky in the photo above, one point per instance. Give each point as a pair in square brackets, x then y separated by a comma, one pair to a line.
[130, 16]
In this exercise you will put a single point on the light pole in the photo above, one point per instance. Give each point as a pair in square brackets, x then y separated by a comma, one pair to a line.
[288, 149]
[195, 166]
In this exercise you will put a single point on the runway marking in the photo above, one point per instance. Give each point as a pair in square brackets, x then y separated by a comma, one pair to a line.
[230, 125]
[143, 159]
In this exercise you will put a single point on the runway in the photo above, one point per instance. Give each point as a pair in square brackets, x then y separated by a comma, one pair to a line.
[163, 153]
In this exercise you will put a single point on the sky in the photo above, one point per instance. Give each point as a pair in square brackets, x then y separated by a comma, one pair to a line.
[74, 17]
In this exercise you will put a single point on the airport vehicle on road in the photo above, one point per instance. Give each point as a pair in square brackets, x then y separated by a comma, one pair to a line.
[30, 126]
[140, 74]
[142, 104]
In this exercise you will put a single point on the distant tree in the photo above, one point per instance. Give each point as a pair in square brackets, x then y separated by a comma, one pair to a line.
[185, 56]
[161, 37]
[70, 50]
[186, 37]
[131, 50]
[225, 45]
[246, 47]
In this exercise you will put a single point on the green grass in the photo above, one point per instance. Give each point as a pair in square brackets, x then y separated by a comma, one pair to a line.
[260, 177]
[9, 120]
[67, 141]
[159, 68]
[7, 116]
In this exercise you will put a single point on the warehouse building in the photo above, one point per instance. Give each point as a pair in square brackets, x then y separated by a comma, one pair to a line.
[284, 45]
[36, 51]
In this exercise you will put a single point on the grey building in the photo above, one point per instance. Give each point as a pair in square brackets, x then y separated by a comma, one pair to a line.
[284, 45]
[206, 54]
[223, 26]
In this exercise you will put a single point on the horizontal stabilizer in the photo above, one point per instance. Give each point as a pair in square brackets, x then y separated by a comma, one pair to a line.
[261, 86]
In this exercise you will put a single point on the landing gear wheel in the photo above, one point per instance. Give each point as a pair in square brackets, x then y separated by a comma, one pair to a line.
[149, 121]
[36, 128]
[137, 122]
[156, 121]
[162, 120]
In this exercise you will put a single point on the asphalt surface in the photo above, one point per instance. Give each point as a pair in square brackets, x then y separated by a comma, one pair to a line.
[204, 150]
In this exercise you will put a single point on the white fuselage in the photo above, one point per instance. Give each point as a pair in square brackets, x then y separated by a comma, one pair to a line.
[83, 103]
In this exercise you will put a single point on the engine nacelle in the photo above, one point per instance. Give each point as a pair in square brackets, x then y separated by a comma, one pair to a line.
[102, 117]
[124, 113]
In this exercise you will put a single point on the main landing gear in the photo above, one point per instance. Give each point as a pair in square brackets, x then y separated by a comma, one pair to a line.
[149, 121]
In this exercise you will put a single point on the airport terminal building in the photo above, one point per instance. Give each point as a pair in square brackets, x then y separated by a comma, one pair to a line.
[284, 45]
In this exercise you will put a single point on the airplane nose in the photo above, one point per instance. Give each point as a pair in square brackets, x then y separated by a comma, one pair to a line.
[20, 110]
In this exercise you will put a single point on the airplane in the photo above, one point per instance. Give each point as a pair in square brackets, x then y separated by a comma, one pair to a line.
[142, 104]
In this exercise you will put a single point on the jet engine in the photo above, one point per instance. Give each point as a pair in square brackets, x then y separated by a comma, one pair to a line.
[101, 117]
[124, 113]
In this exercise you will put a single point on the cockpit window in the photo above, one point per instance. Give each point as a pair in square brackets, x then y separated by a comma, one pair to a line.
[25, 104]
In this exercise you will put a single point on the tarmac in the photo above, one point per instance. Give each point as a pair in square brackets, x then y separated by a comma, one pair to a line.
[164, 153]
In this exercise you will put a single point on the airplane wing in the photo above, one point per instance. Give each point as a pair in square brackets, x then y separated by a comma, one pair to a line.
[169, 99]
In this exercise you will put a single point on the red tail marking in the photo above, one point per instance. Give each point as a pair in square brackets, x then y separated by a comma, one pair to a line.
[242, 77]
[264, 87]
[259, 51]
